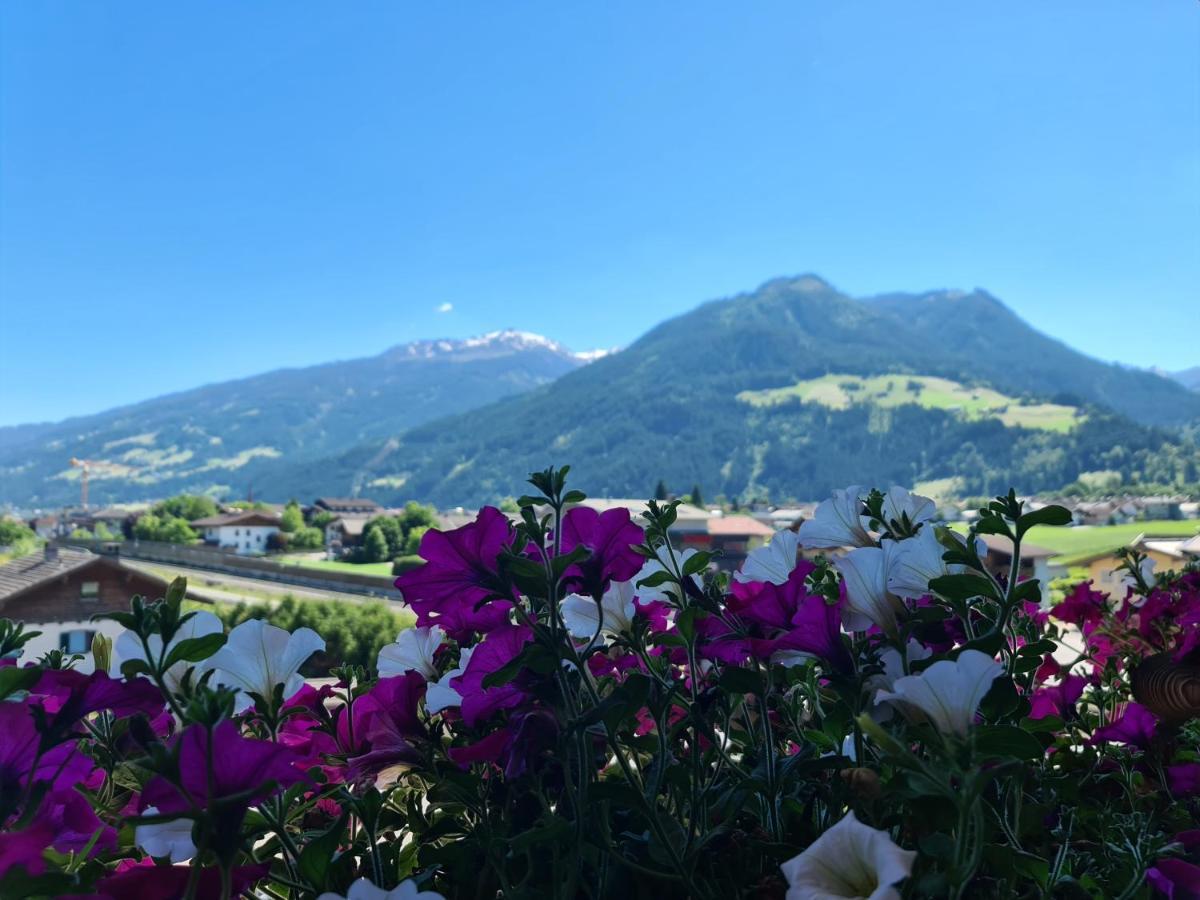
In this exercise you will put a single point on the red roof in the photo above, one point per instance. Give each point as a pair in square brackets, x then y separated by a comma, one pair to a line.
[738, 526]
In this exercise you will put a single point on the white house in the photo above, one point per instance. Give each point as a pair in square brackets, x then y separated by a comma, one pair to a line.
[245, 533]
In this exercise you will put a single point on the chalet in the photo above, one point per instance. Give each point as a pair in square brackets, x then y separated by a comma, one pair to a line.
[45, 527]
[57, 591]
[245, 533]
[734, 537]
[1166, 552]
[344, 532]
[1161, 507]
[341, 506]
[1034, 563]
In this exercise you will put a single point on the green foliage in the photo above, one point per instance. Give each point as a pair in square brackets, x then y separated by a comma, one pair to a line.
[353, 632]
[188, 507]
[387, 537]
[292, 518]
[14, 532]
[82, 534]
[104, 533]
[375, 544]
[403, 563]
[167, 529]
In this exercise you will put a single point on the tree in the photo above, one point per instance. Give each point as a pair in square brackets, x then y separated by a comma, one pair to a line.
[104, 533]
[14, 533]
[697, 498]
[375, 545]
[392, 532]
[292, 519]
[188, 507]
[417, 516]
[412, 542]
[307, 539]
[660, 490]
[168, 529]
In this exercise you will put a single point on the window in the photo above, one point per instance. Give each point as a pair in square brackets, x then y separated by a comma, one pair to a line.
[258, 537]
[78, 641]
[89, 590]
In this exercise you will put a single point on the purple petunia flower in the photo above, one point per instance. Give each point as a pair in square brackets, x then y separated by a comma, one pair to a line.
[458, 586]
[69, 695]
[609, 537]
[1184, 779]
[1082, 606]
[1175, 879]
[386, 723]
[1058, 699]
[148, 881]
[1137, 726]
[496, 651]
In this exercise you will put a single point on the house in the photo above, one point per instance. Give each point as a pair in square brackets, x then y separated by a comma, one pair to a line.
[1189, 509]
[57, 591]
[786, 516]
[345, 532]
[734, 537]
[1034, 563]
[245, 533]
[1166, 552]
[45, 527]
[1161, 507]
[341, 506]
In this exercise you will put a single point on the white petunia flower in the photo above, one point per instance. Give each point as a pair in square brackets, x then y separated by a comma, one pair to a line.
[613, 616]
[916, 561]
[364, 889]
[850, 860]
[772, 563]
[439, 695]
[898, 502]
[864, 571]
[129, 646]
[258, 656]
[668, 589]
[893, 670]
[948, 693]
[171, 839]
[412, 651]
[838, 522]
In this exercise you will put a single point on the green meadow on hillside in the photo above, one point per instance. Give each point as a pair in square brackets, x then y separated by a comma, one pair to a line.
[1081, 541]
[973, 403]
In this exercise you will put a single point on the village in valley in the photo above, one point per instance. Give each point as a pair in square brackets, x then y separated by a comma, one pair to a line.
[60, 569]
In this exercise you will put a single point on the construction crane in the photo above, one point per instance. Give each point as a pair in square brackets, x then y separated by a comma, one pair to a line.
[85, 465]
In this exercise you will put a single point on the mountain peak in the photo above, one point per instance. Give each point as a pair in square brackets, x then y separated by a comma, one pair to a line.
[503, 342]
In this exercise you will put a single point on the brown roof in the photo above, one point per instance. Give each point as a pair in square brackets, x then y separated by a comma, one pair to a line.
[352, 526]
[248, 517]
[27, 572]
[345, 504]
[1000, 544]
[731, 526]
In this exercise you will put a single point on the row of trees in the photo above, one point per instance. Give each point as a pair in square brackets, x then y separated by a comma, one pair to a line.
[395, 537]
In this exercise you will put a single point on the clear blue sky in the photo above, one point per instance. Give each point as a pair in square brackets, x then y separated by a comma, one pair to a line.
[195, 191]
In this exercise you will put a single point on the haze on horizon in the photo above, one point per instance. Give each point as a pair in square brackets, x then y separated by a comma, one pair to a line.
[190, 195]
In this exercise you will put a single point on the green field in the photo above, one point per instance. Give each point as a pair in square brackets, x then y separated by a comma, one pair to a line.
[841, 391]
[383, 569]
[1084, 540]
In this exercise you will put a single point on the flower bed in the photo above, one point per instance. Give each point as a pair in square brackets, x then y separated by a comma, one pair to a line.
[583, 710]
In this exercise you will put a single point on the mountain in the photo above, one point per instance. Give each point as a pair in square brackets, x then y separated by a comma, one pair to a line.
[1189, 378]
[784, 392]
[226, 437]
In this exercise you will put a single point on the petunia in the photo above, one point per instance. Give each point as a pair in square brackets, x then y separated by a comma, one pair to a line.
[1175, 879]
[669, 560]
[864, 571]
[70, 696]
[1082, 606]
[613, 616]
[25, 848]
[1184, 779]
[128, 646]
[916, 561]
[609, 537]
[145, 880]
[459, 586]
[412, 651]
[363, 889]
[837, 522]
[258, 657]
[892, 670]
[899, 505]
[1058, 699]
[948, 693]
[21, 763]
[773, 562]
[171, 839]
[850, 860]
[527, 735]
[387, 722]
[1137, 727]
[496, 651]
[440, 695]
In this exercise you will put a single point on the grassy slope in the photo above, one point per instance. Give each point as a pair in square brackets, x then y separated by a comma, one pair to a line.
[382, 569]
[973, 403]
[1080, 541]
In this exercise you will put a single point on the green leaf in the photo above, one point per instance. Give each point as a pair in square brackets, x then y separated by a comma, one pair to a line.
[963, 587]
[737, 680]
[318, 854]
[14, 679]
[697, 563]
[195, 649]
[1007, 740]
[1047, 515]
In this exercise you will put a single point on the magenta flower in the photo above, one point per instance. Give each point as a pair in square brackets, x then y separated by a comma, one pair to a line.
[524, 738]
[25, 848]
[1175, 879]
[148, 881]
[1136, 727]
[1082, 606]
[387, 724]
[71, 695]
[20, 763]
[1058, 699]
[1184, 779]
[610, 537]
[496, 651]
[459, 585]
[250, 769]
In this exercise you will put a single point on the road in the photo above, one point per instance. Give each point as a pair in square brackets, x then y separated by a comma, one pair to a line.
[218, 587]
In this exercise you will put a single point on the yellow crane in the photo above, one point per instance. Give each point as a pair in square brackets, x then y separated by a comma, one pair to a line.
[85, 466]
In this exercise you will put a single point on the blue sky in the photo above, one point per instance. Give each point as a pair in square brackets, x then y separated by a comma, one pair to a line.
[196, 191]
